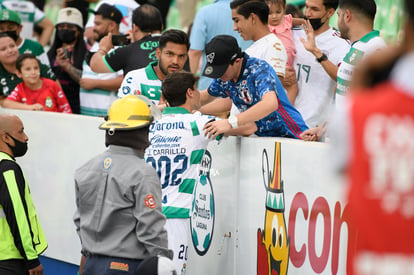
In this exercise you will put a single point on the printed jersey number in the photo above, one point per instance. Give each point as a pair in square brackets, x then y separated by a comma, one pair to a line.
[306, 70]
[182, 255]
[163, 168]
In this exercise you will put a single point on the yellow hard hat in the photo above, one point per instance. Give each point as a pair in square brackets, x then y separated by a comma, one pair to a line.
[128, 113]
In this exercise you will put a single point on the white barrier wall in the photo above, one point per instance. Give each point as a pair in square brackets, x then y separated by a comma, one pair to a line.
[245, 220]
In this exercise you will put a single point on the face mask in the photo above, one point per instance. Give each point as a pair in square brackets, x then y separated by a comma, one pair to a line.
[19, 149]
[316, 23]
[66, 36]
[12, 34]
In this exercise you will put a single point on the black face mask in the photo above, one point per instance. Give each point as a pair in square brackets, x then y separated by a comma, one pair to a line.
[12, 34]
[66, 36]
[316, 23]
[19, 149]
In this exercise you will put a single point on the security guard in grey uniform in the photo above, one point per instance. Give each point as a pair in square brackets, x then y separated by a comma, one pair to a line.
[118, 196]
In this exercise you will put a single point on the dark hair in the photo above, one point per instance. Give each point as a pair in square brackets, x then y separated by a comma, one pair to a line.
[175, 85]
[148, 18]
[368, 8]
[275, 2]
[175, 36]
[409, 6]
[79, 49]
[24, 56]
[294, 11]
[332, 4]
[260, 8]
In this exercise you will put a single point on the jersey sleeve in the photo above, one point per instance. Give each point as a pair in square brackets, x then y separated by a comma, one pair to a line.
[15, 95]
[128, 85]
[150, 229]
[266, 81]
[61, 100]
[115, 59]
[15, 207]
[217, 89]
[198, 35]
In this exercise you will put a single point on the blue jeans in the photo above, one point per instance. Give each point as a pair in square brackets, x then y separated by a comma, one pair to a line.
[105, 265]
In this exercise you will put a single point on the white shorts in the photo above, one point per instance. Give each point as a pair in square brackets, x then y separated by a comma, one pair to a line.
[178, 238]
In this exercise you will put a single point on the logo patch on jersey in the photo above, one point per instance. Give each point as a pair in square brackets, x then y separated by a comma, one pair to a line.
[245, 93]
[149, 201]
[202, 214]
[107, 163]
[48, 102]
[119, 266]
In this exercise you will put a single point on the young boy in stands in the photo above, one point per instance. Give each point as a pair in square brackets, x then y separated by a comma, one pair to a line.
[35, 93]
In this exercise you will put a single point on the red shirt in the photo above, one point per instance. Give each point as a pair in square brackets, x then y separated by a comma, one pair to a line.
[50, 96]
[381, 173]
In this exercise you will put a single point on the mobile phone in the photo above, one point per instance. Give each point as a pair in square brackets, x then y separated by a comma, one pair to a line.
[120, 40]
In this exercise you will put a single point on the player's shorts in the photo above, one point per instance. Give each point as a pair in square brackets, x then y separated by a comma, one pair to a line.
[178, 239]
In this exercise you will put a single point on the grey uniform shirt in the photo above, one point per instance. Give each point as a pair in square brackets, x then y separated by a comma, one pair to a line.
[118, 199]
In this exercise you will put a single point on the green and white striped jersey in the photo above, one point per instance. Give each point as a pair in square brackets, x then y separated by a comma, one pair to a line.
[367, 44]
[142, 81]
[177, 146]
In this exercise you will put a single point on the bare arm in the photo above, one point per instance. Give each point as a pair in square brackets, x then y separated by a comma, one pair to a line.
[7, 103]
[107, 84]
[245, 130]
[97, 63]
[310, 45]
[195, 57]
[64, 63]
[264, 107]
[47, 27]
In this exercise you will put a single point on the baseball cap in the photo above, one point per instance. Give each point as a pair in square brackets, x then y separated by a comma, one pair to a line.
[11, 16]
[156, 265]
[70, 16]
[109, 12]
[220, 52]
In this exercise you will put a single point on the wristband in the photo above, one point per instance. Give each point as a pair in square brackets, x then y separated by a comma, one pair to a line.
[233, 121]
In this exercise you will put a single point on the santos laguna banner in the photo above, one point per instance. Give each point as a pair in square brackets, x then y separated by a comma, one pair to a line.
[262, 206]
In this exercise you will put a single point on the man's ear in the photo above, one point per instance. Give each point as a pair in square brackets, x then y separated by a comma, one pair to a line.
[158, 53]
[331, 12]
[189, 92]
[348, 15]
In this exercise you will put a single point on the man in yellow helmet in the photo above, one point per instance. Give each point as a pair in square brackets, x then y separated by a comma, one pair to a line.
[21, 236]
[118, 196]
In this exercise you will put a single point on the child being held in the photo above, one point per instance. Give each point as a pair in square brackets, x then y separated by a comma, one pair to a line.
[35, 93]
[281, 24]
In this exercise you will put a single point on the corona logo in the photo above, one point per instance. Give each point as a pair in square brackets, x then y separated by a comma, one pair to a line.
[272, 241]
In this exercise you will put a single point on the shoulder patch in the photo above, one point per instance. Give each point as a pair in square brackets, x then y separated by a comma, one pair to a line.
[107, 163]
[149, 201]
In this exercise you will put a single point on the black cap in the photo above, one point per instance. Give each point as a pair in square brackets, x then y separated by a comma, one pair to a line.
[221, 51]
[109, 12]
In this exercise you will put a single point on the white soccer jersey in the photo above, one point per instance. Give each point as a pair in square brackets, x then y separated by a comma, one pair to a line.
[96, 102]
[28, 12]
[177, 146]
[316, 88]
[271, 49]
[369, 43]
[142, 81]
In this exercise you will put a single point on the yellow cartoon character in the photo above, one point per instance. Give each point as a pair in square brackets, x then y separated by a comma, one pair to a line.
[273, 242]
